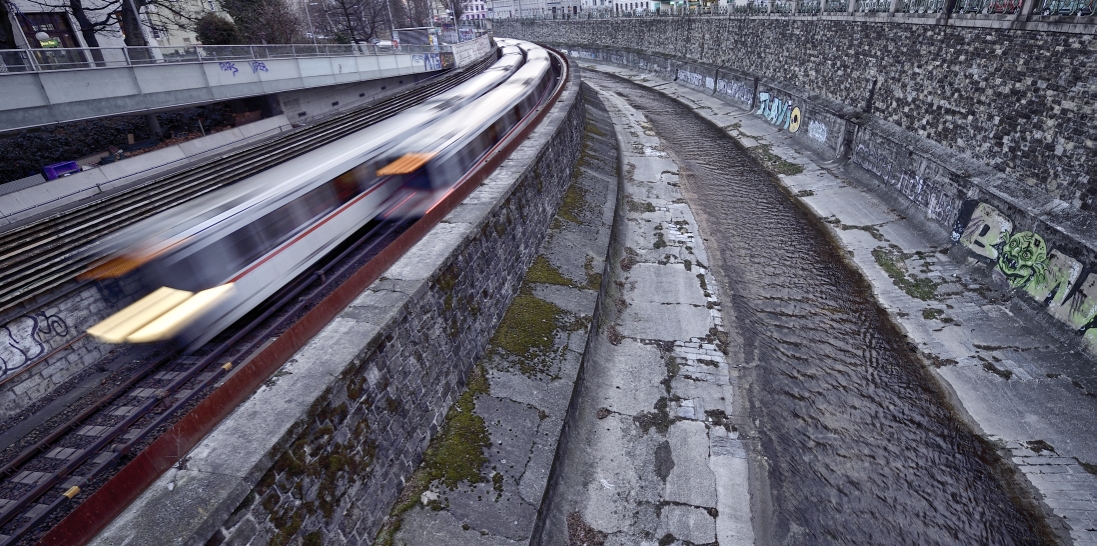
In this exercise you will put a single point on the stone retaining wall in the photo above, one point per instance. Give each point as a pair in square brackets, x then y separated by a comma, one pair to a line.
[1038, 239]
[1020, 101]
[319, 454]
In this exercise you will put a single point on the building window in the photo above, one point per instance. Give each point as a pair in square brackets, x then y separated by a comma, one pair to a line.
[55, 24]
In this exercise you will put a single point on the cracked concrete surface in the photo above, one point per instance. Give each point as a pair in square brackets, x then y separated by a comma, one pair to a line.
[1023, 381]
[529, 394]
[654, 456]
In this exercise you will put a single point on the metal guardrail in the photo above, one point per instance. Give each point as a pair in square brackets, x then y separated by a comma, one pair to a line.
[1046, 8]
[37, 60]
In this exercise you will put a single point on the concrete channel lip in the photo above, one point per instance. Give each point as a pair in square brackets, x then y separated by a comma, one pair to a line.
[111, 499]
[1011, 413]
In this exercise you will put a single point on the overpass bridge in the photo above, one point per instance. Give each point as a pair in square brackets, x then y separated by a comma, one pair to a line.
[47, 86]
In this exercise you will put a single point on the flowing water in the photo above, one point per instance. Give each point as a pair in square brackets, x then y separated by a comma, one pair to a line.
[860, 444]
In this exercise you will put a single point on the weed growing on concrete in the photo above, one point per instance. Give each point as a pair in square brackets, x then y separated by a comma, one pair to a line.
[630, 259]
[990, 367]
[528, 329]
[580, 532]
[930, 313]
[660, 242]
[805, 193]
[574, 204]
[639, 206]
[871, 230]
[1039, 446]
[594, 279]
[892, 262]
[773, 162]
[541, 271]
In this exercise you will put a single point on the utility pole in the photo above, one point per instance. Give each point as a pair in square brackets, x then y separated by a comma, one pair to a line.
[308, 17]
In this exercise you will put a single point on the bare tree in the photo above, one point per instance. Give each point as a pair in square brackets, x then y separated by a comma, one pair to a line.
[265, 21]
[357, 20]
[97, 17]
[7, 30]
[418, 12]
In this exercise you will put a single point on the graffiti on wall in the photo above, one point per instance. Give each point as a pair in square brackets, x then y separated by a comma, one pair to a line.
[691, 78]
[580, 54]
[781, 113]
[29, 337]
[736, 90]
[938, 202]
[1023, 258]
[817, 130]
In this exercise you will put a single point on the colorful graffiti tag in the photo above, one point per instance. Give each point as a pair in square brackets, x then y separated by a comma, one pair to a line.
[779, 112]
[1048, 276]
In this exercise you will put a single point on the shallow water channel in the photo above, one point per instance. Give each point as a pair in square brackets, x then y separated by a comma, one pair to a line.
[861, 447]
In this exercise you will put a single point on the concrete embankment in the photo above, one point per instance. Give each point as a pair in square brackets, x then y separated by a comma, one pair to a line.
[1023, 384]
[1011, 179]
[320, 453]
[486, 477]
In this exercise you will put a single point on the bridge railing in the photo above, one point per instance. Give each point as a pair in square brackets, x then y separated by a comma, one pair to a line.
[36, 60]
[1031, 8]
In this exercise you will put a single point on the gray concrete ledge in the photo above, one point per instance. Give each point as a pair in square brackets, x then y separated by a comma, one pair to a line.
[29, 202]
[1010, 373]
[321, 451]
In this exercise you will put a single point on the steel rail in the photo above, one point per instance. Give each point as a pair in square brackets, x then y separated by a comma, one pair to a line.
[95, 512]
[342, 262]
[39, 257]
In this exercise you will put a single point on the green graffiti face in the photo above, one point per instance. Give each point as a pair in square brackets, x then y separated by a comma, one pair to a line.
[1023, 259]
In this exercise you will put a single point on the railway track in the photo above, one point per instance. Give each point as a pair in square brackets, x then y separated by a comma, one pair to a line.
[51, 478]
[48, 479]
[38, 257]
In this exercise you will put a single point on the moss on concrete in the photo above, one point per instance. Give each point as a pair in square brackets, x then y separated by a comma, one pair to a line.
[575, 200]
[892, 260]
[455, 455]
[541, 271]
[773, 162]
[528, 327]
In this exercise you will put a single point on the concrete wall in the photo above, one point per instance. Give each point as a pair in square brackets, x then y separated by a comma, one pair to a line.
[29, 202]
[962, 85]
[308, 105]
[43, 348]
[320, 453]
[1040, 238]
[42, 98]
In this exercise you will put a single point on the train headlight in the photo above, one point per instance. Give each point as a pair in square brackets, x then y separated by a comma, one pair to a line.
[160, 315]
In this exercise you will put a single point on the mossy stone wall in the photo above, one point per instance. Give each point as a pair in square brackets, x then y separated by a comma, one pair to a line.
[365, 435]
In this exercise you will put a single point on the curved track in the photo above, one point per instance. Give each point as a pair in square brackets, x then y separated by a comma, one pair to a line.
[37, 258]
[168, 391]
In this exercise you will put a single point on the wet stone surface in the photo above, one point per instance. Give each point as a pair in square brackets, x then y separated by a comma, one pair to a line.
[853, 435]
[529, 371]
[654, 455]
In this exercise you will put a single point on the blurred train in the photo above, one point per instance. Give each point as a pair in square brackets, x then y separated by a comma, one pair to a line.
[217, 257]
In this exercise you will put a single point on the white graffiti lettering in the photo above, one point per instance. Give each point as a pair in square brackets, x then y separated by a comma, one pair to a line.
[691, 78]
[817, 130]
[735, 90]
[27, 338]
